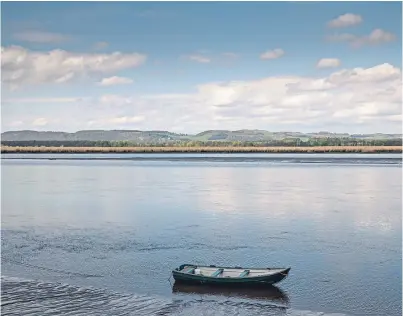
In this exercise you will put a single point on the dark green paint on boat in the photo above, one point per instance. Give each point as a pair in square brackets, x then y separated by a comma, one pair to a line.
[215, 278]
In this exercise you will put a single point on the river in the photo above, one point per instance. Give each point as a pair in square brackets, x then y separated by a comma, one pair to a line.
[99, 234]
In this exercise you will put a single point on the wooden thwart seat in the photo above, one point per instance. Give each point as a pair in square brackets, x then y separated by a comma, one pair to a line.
[217, 272]
[189, 270]
[244, 273]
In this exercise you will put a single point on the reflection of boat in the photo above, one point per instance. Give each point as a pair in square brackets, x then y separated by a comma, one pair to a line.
[269, 292]
[229, 275]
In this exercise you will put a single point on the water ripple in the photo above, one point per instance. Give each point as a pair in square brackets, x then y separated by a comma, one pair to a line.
[28, 297]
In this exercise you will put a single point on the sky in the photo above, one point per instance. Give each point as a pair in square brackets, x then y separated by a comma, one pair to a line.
[187, 67]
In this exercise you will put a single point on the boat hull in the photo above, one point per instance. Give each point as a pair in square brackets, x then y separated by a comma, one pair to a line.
[274, 278]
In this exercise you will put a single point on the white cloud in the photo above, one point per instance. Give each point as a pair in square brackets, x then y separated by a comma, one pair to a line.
[116, 121]
[272, 54]
[200, 59]
[328, 63]
[23, 67]
[16, 123]
[349, 100]
[40, 37]
[376, 37]
[127, 119]
[114, 100]
[41, 100]
[379, 36]
[377, 74]
[345, 20]
[40, 122]
[111, 81]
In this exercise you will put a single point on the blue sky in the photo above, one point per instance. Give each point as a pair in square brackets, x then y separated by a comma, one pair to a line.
[202, 65]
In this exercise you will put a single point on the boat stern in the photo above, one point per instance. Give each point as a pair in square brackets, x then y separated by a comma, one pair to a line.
[286, 271]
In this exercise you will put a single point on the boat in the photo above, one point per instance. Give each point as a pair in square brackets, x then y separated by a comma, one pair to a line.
[214, 275]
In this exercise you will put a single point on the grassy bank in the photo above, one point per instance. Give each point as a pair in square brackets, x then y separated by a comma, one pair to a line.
[324, 149]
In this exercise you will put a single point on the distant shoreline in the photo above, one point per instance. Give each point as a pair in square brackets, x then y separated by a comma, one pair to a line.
[184, 150]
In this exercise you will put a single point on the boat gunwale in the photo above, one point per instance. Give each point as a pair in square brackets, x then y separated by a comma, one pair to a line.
[283, 271]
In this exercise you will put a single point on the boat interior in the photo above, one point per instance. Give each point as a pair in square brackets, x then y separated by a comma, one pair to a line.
[217, 272]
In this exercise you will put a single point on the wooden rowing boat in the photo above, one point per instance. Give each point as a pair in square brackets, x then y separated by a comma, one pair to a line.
[214, 275]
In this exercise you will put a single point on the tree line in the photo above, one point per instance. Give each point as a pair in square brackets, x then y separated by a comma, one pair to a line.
[290, 142]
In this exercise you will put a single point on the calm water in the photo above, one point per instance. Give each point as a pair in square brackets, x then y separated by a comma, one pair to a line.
[100, 237]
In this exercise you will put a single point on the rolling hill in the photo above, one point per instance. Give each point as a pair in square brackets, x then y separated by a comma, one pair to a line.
[164, 136]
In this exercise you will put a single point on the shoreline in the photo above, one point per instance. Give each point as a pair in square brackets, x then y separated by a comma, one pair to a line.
[210, 150]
